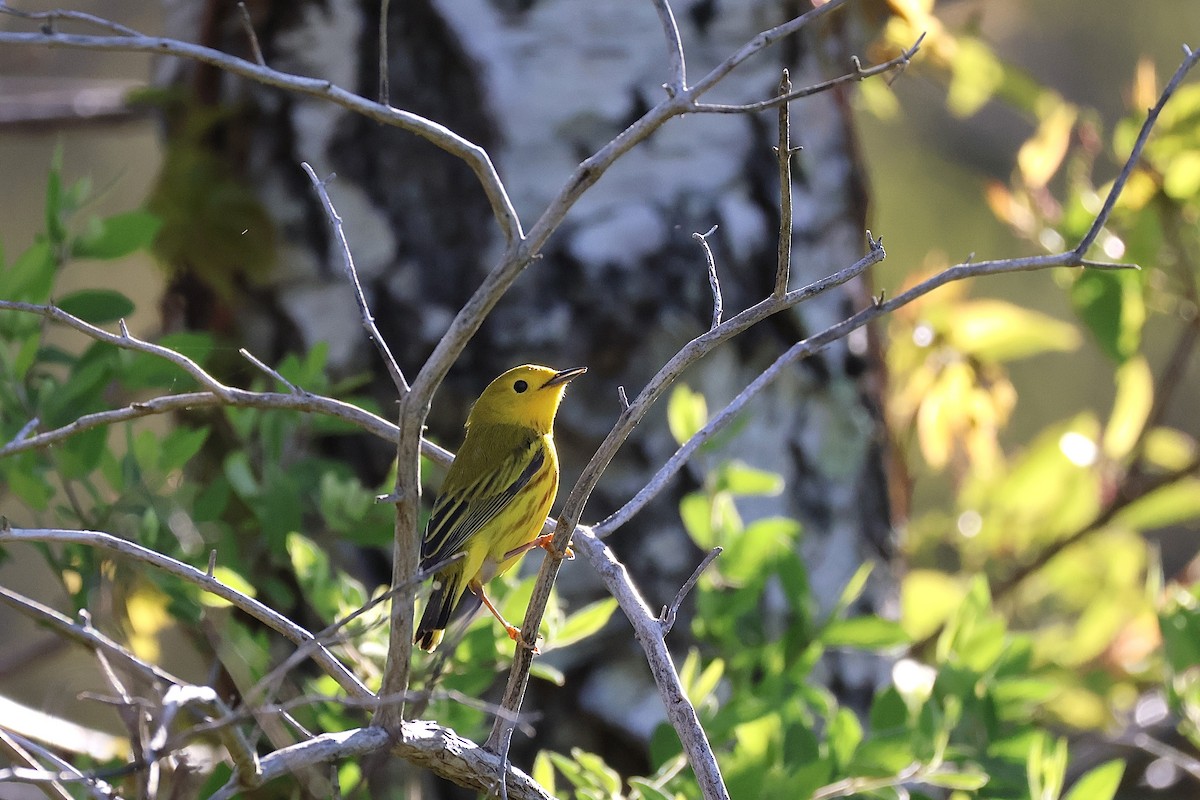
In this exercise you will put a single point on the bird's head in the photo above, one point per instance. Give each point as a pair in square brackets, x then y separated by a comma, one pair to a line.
[527, 395]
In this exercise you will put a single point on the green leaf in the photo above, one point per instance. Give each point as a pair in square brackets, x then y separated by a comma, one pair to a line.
[695, 510]
[1131, 408]
[583, 623]
[544, 672]
[1110, 304]
[976, 74]
[968, 780]
[30, 278]
[543, 771]
[853, 589]
[866, 633]
[844, 734]
[748, 556]
[687, 412]
[1180, 624]
[647, 790]
[80, 455]
[740, 479]
[1175, 503]
[97, 306]
[598, 773]
[180, 446]
[1098, 783]
[117, 236]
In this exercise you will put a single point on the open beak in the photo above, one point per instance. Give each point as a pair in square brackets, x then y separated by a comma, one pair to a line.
[564, 376]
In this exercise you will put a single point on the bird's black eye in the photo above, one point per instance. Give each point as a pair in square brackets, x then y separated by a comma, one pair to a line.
[520, 386]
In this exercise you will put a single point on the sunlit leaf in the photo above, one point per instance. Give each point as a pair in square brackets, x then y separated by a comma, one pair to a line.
[1040, 157]
[1172, 504]
[865, 633]
[976, 75]
[234, 581]
[927, 599]
[1131, 408]
[967, 780]
[1168, 448]
[583, 623]
[687, 412]
[994, 330]
[1098, 783]
[739, 478]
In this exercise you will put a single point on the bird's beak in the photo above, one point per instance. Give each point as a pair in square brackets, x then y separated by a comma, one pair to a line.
[564, 376]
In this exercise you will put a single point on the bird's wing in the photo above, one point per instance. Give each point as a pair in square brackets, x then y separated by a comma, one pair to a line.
[460, 512]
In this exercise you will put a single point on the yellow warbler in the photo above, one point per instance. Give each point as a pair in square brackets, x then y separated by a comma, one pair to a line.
[497, 493]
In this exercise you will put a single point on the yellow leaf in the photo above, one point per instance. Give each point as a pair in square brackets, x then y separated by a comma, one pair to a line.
[147, 612]
[927, 599]
[1169, 449]
[1040, 157]
[1131, 408]
[976, 75]
[994, 330]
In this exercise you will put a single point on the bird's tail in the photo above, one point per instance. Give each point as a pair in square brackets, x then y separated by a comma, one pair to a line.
[447, 588]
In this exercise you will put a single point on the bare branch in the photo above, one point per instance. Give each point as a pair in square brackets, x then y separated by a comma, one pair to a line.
[67, 772]
[676, 67]
[52, 17]
[650, 631]
[785, 96]
[1136, 153]
[424, 744]
[783, 155]
[364, 310]
[385, 78]
[667, 618]
[85, 635]
[254, 608]
[9, 744]
[268, 371]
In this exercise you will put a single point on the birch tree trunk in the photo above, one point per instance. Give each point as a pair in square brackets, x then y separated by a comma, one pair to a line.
[542, 85]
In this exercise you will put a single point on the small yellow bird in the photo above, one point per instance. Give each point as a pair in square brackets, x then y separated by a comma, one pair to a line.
[497, 493]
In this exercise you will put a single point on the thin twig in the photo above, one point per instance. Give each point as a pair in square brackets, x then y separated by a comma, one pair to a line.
[67, 771]
[251, 36]
[51, 17]
[268, 371]
[1135, 154]
[783, 155]
[714, 283]
[676, 65]
[52, 789]
[786, 96]
[667, 617]
[384, 70]
[364, 310]
[84, 634]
